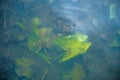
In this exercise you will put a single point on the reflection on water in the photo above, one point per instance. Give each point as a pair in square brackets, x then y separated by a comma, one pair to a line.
[59, 40]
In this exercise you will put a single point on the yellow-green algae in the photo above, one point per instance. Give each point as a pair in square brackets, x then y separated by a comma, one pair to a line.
[22, 67]
[77, 73]
[73, 45]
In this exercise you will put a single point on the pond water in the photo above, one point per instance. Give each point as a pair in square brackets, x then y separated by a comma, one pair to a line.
[59, 39]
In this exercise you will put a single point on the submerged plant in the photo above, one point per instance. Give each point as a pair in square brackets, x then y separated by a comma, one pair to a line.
[44, 74]
[116, 41]
[77, 73]
[36, 21]
[112, 12]
[73, 45]
[46, 36]
[20, 25]
[41, 38]
[22, 67]
[118, 32]
[33, 44]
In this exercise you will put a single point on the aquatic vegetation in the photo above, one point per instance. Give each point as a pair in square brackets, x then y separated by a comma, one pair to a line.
[36, 22]
[21, 25]
[118, 32]
[112, 12]
[5, 20]
[22, 67]
[46, 36]
[21, 37]
[46, 58]
[73, 45]
[45, 73]
[116, 41]
[41, 38]
[33, 44]
[77, 73]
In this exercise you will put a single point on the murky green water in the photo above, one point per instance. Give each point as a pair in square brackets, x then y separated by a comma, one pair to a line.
[59, 40]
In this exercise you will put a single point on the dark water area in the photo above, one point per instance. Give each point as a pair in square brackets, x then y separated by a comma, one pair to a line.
[59, 39]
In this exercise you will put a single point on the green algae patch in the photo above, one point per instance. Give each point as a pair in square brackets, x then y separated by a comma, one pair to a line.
[36, 21]
[22, 67]
[77, 73]
[73, 45]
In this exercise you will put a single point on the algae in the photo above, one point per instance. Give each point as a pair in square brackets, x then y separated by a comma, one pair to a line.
[46, 36]
[44, 75]
[77, 73]
[116, 40]
[118, 32]
[34, 44]
[21, 25]
[22, 67]
[36, 21]
[41, 38]
[112, 11]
